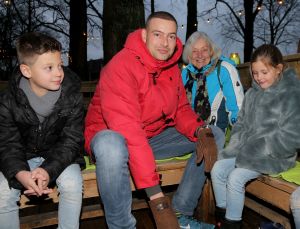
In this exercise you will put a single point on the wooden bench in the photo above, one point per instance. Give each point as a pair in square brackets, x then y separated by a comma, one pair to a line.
[273, 199]
[272, 191]
[87, 89]
[41, 212]
[267, 196]
[170, 172]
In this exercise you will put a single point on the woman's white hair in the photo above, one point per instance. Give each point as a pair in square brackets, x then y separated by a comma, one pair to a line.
[187, 51]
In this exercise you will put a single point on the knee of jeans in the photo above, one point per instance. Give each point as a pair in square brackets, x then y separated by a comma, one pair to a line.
[8, 198]
[219, 136]
[216, 171]
[295, 199]
[236, 182]
[70, 185]
[107, 141]
[70, 180]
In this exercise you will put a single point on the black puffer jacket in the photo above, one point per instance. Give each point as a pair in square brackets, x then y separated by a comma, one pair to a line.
[59, 139]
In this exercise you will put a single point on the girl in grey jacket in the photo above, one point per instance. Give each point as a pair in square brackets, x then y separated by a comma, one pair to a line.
[266, 136]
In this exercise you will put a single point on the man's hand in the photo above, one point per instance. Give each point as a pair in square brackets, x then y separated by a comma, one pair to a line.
[206, 147]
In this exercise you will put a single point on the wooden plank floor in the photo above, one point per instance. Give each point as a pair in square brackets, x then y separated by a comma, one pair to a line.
[145, 221]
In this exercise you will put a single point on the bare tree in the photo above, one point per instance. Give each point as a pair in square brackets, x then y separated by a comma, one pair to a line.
[18, 16]
[6, 50]
[119, 19]
[55, 17]
[78, 38]
[192, 21]
[94, 16]
[238, 24]
[278, 24]
[152, 6]
[259, 21]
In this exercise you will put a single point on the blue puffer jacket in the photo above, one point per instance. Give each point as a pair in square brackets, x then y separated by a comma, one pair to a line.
[226, 102]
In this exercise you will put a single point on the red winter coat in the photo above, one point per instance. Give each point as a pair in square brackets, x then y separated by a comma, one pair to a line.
[139, 96]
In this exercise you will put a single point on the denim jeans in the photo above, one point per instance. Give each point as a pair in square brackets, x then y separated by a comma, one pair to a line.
[69, 185]
[295, 207]
[229, 186]
[111, 153]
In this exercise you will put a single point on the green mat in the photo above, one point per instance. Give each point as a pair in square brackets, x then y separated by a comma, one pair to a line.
[91, 166]
[88, 164]
[180, 158]
[291, 175]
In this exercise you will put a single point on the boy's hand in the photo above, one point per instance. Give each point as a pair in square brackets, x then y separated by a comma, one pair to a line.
[41, 176]
[25, 178]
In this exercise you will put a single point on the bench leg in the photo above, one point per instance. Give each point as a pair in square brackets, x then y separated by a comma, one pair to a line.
[206, 207]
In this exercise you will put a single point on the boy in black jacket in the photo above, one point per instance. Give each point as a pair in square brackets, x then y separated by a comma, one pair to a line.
[41, 132]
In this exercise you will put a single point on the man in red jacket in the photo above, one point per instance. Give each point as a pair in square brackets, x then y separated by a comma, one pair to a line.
[140, 113]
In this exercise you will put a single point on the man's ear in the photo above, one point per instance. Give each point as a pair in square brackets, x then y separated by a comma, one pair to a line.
[144, 35]
[25, 70]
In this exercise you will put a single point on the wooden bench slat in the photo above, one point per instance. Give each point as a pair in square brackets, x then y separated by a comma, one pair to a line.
[170, 172]
[279, 183]
[267, 213]
[89, 211]
[272, 190]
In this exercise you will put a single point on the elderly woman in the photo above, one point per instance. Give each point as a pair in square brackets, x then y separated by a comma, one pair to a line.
[211, 81]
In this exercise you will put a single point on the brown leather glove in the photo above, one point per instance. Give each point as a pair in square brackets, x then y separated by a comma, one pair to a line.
[206, 148]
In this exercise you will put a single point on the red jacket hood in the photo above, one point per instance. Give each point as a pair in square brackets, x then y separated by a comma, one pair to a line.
[135, 44]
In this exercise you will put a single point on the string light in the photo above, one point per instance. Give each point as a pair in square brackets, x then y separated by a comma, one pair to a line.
[208, 20]
[240, 13]
[7, 2]
[280, 2]
[184, 25]
[258, 8]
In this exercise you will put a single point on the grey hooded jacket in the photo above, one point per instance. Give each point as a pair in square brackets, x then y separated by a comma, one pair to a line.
[266, 136]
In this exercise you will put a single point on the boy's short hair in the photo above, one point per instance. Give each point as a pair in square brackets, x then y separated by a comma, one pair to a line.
[162, 15]
[31, 44]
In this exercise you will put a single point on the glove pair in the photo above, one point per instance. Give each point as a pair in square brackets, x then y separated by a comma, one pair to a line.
[206, 148]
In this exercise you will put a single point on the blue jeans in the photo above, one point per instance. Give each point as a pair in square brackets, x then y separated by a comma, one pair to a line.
[111, 153]
[295, 207]
[229, 186]
[69, 185]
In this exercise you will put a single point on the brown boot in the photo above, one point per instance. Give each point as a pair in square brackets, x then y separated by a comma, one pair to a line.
[163, 213]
